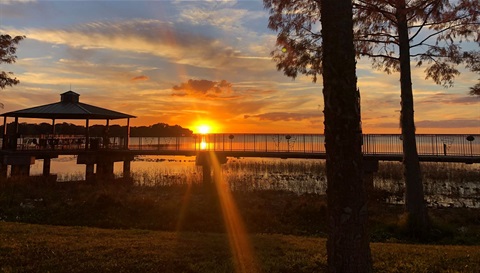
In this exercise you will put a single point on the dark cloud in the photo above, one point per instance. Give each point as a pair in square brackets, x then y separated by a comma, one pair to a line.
[204, 88]
[447, 98]
[283, 116]
[454, 123]
[139, 78]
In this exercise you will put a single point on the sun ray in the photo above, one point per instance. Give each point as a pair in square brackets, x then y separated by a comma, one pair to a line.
[183, 208]
[240, 246]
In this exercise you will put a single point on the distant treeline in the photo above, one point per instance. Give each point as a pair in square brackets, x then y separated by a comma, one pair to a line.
[159, 129]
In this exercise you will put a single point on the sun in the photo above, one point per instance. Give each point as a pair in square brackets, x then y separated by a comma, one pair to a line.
[204, 129]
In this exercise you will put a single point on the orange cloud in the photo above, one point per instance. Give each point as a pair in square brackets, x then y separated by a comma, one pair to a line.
[284, 116]
[203, 88]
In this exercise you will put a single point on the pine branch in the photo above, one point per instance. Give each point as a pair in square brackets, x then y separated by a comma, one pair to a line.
[377, 41]
[435, 34]
[424, 22]
[370, 55]
[368, 6]
[446, 22]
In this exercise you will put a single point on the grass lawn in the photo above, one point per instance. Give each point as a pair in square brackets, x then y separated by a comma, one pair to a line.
[45, 248]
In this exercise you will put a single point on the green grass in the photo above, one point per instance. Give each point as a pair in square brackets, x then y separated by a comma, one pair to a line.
[43, 248]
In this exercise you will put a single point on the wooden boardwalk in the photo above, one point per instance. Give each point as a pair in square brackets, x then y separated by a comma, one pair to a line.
[383, 147]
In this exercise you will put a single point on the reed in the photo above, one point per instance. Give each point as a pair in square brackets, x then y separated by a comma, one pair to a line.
[446, 184]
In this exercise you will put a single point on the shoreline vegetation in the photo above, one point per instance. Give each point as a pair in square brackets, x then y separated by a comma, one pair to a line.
[445, 184]
[177, 226]
[115, 130]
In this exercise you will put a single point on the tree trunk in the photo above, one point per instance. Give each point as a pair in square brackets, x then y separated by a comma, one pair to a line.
[417, 220]
[348, 242]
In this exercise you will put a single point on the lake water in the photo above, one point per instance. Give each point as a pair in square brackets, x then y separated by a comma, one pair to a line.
[295, 175]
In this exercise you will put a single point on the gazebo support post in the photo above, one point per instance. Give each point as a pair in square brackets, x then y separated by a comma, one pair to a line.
[53, 127]
[127, 137]
[15, 136]
[87, 134]
[4, 134]
[106, 137]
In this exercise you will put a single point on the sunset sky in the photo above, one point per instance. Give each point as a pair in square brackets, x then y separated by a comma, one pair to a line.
[193, 62]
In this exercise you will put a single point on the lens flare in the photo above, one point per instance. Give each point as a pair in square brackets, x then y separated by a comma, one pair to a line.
[242, 251]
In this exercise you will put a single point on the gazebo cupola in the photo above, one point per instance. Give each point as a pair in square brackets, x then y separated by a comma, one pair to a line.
[69, 97]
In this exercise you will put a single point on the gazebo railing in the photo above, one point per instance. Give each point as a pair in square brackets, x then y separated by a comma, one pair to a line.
[64, 142]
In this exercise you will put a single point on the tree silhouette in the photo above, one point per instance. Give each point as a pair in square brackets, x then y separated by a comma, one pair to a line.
[395, 32]
[392, 33]
[8, 48]
[473, 64]
[348, 243]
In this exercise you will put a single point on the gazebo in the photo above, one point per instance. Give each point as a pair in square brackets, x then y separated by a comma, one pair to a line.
[69, 107]
[50, 146]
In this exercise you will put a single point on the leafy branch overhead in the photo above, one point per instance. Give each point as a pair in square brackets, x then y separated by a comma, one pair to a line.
[439, 30]
[474, 65]
[8, 49]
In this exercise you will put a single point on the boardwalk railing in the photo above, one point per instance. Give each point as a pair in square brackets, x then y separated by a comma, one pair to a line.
[373, 144]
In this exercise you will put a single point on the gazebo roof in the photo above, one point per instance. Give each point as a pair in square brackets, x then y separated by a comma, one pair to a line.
[69, 107]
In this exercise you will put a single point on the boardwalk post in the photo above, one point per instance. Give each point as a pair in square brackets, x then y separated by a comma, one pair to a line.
[370, 166]
[20, 164]
[46, 166]
[207, 174]
[89, 172]
[210, 161]
[20, 170]
[203, 159]
[105, 168]
[126, 168]
[3, 171]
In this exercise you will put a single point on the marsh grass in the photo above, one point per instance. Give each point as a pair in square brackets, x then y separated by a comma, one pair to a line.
[120, 204]
[445, 184]
[36, 248]
[195, 208]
